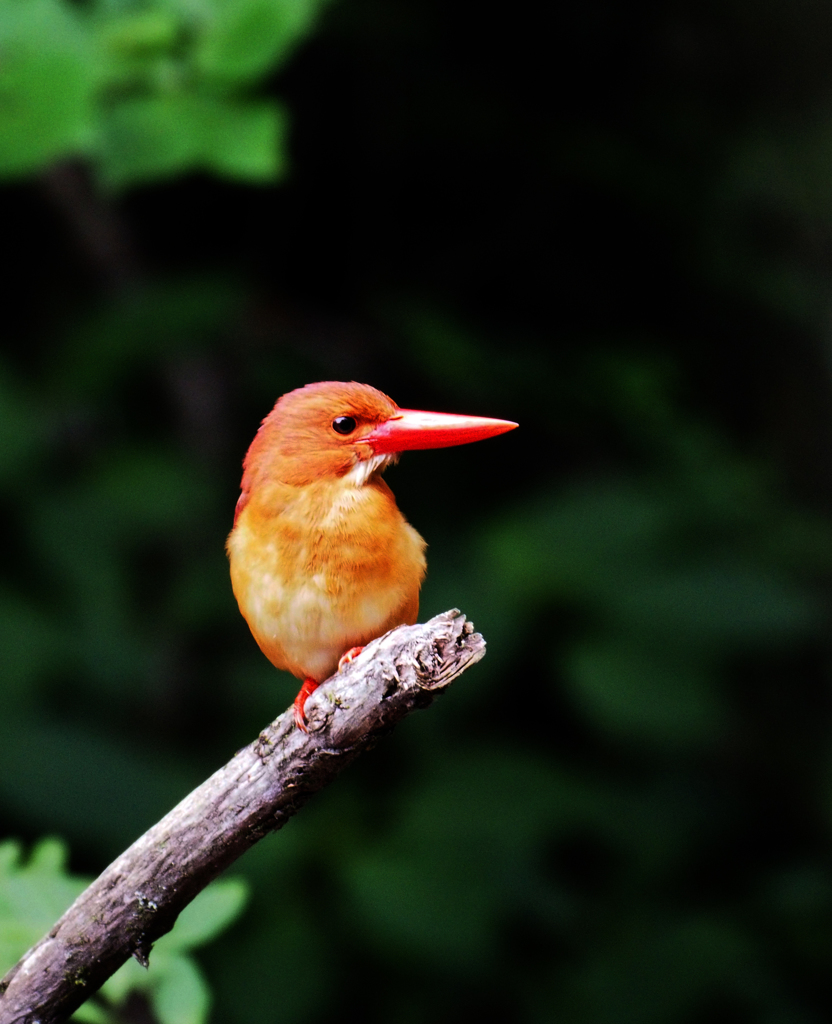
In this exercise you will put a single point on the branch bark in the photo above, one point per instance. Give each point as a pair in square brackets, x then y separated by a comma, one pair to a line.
[139, 896]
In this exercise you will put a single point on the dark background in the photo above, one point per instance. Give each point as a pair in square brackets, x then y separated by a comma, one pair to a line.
[611, 223]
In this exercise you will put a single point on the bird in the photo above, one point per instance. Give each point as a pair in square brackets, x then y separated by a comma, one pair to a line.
[322, 561]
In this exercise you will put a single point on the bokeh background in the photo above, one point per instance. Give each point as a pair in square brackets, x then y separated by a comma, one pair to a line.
[610, 222]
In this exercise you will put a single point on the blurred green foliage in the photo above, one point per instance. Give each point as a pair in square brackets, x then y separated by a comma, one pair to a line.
[35, 892]
[145, 89]
[615, 233]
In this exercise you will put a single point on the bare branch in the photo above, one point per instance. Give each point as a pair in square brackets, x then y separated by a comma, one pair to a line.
[138, 897]
[96, 224]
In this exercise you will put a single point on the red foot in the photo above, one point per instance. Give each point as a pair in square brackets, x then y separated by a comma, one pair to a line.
[351, 655]
[309, 686]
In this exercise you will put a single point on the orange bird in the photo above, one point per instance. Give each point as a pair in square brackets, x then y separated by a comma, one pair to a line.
[322, 560]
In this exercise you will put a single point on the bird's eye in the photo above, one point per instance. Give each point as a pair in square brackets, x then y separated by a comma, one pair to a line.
[343, 424]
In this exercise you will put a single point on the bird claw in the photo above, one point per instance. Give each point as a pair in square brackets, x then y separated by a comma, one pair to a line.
[309, 687]
[350, 655]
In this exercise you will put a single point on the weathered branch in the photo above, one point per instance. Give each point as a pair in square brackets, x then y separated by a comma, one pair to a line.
[138, 897]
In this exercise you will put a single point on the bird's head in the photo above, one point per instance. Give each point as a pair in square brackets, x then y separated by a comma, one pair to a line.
[348, 430]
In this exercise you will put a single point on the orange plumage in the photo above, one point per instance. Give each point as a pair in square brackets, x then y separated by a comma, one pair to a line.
[322, 560]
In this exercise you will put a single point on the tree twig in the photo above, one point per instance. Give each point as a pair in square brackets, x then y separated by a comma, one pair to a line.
[138, 897]
[95, 223]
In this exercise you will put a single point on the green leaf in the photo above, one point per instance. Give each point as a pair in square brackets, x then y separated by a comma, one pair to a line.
[153, 137]
[247, 140]
[33, 895]
[147, 90]
[130, 977]
[139, 31]
[92, 1012]
[210, 913]
[181, 997]
[174, 985]
[48, 76]
[244, 39]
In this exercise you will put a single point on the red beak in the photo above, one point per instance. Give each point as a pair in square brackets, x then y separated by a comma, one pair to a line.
[410, 428]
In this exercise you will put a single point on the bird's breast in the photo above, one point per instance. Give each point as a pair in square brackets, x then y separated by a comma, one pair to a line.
[323, 569]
